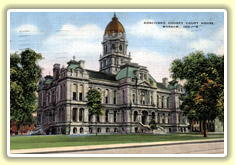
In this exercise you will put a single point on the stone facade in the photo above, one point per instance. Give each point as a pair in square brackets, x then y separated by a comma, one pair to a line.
[131, 97]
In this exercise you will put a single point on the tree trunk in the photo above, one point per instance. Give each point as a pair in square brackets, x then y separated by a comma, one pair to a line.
[204, 128]
[191, 125]
[201, 126]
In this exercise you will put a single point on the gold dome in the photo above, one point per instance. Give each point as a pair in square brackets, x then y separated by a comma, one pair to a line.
[114, 26]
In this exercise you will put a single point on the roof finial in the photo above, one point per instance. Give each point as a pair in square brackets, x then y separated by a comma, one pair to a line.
[114, 15]
[73, 57]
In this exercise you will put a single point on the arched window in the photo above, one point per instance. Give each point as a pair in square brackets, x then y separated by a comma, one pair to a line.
[98, 130]
[120, 47]
[107, 130]
[168, 102]
[90, 130]
[143, 98]
[75, 114]
[74, 130]
[75, 91]
[135, 116]
[114, 97]
[113, 46]
[106, 96]
[133, 98]
[115, 130]
[81, 114]
[81, 89]
[169, 117]
[81, 130]
[153, 116]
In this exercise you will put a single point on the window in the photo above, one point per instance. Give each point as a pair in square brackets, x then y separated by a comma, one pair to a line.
[133, 98]
[123, 96]
[81, 130]
[49, 99]
[162, 101]
[169, 117]
[81, 114]
[143, 98]
[115, 97]
[153, 116]
[90, 130]
[99, 130]
[113, 46]
[168, 102]
[106, 96]
[74, 130]
[163, 118]
[107, 130]
[115, 117]
[74, 92]
[141, 76]
[145, 76]
[158, 101]
[135, 116]
[75, 114]
[107, 116]
[81, 92]
[120, 47]
[115, 130]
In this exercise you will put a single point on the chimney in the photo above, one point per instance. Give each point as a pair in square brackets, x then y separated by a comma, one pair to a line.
[165, 82]
[56, 71]
[82, 63]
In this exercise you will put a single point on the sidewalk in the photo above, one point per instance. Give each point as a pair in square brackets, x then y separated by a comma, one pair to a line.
[103, 147]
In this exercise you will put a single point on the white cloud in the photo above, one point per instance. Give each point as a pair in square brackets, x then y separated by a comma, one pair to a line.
[27, 29]
[154, 31]
[82, 42]
[201, 44]
[214, 44]
[157, 64]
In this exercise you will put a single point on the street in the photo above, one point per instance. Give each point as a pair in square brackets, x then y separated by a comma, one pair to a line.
[196, 148]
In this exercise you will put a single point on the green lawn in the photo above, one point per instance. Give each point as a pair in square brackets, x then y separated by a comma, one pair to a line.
[27, 142]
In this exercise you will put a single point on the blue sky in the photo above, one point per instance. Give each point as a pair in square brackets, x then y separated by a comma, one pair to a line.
[59, 36]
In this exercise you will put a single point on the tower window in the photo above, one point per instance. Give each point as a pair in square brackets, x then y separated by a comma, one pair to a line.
[120, 47]
[74, 92]
[115, 97]
[113, 46]
[81, 93]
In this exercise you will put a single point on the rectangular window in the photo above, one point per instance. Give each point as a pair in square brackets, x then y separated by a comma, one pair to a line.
[115, 117]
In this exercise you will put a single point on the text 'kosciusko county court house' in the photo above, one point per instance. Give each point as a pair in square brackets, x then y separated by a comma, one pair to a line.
[131, 97]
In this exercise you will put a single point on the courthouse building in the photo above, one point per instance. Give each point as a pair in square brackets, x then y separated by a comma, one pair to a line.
[131, 97]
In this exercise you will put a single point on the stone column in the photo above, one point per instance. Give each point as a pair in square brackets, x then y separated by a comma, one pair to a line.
[86, 115]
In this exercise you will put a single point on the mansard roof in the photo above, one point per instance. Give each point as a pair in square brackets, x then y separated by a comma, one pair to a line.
[100, 75]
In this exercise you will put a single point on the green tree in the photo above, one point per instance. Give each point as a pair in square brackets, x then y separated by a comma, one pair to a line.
[24, 76]
[94, 104]
[204, 75]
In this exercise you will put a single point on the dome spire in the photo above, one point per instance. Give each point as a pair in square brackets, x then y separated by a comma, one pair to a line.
[114, 15]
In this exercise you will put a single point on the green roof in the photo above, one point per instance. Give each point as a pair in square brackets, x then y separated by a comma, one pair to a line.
[48, 81]
[101, 75]
[127, 72]
[74, 66]
[151, 78]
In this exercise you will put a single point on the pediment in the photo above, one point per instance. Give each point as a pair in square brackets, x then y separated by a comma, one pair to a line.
[146, 84]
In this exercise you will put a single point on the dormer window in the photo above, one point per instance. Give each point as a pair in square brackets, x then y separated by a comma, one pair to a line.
[141, 76]
[113, 46]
